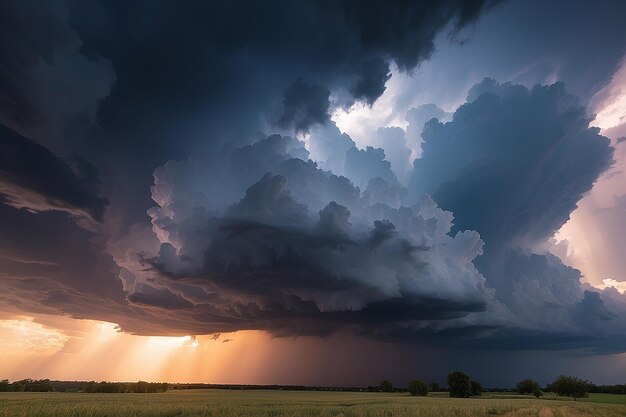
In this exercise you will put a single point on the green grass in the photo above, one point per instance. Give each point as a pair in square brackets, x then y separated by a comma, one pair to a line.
[291, 403]
[606, 398]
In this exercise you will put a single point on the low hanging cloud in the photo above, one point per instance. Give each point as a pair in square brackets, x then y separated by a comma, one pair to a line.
[33, 178]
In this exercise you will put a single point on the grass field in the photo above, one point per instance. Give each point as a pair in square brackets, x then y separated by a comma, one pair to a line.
[606, 398]
[293, 403]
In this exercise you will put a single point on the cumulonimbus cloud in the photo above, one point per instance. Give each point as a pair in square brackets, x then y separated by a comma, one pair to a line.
[302, 237]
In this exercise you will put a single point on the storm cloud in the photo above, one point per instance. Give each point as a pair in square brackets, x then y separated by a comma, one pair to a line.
[202, 184]
[300, 248]
[33, 178]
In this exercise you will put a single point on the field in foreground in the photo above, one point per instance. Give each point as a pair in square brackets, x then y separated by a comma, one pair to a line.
[294, 403]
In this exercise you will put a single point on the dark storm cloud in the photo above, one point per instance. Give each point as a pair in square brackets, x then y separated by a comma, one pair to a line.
[371, 80]
[188, 71]
[21, 51]
[159, 297]
[304, 105]
[522, 159]
[129, 86]
[44, 79]
[50, 265]
[246, 231]
[34, 178]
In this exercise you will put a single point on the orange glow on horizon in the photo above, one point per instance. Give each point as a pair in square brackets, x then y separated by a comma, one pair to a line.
[92, 350]
[98, 351]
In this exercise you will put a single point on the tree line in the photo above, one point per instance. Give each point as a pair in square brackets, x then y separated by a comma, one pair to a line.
[46, 385]
[460, 385]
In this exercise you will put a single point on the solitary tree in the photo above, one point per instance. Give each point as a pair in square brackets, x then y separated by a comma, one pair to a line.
[434, 386]
[386, 386]
[418, 388]
[459, 383]
[527, 386]
[570, 386]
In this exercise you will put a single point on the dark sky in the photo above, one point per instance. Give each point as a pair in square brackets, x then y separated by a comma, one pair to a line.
[395, 171]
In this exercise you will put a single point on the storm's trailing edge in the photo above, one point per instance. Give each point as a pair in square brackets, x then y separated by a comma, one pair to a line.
[312, 168]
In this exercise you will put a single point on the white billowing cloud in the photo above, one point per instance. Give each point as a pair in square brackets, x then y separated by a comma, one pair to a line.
[618, 285]
[255, 233]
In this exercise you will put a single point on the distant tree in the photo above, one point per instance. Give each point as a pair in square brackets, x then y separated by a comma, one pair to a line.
[527, 386]
[537, 393]
[418, 388]
[608, 389]
[34, 385]
[17, 386]
[477, 388]
[434, 386]
[4, 385]
[570, 386]
[140, 387]
[460, 385]
[386, 386]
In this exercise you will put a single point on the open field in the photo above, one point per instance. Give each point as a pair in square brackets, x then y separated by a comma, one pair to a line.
[296, 404]
[606, 398]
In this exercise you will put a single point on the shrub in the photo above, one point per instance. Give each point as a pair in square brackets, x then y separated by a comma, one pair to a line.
[537, 393]
[386, 386]
[418, 388]
[527, 386]
[570, 386]
[460, 385]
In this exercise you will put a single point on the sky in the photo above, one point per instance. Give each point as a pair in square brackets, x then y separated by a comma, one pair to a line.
[313, 192]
